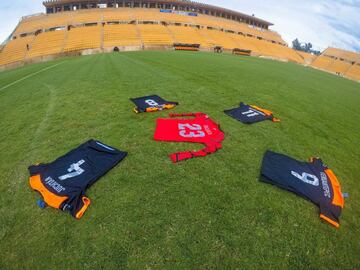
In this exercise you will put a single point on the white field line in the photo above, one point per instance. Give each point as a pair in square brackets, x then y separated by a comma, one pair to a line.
[30, 75]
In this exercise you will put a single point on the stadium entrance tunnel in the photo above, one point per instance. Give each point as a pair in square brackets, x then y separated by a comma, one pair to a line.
[218, 49]
[116, 49]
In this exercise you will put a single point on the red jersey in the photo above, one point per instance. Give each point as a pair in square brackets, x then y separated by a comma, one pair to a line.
[199, 129]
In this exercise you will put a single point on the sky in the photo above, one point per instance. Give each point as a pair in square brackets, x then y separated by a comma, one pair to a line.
[324, 23]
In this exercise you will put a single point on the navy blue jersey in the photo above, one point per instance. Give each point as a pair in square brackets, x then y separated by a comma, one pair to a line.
[249, 114]
[152, 104]
[62, 183]
[312, 180]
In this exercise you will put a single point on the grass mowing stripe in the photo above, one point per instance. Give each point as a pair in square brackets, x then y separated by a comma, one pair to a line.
[30, 75]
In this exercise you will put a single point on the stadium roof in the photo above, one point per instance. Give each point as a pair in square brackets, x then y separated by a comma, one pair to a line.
[192, 4]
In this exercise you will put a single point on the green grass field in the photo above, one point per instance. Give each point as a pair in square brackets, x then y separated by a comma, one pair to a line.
[204, 213]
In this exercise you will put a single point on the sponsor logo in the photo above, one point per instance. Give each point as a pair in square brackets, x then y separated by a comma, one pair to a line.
[194, 14]
[49, 181]
[208, 130]
[325, 185]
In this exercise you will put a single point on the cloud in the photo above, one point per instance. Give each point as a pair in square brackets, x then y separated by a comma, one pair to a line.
[12, 11]
[322, 22]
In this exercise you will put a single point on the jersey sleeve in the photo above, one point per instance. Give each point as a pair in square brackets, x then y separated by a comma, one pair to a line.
[78, 206]
[268, 114]
[331, 214]
[331, 211]
[198, 114]
[209, 149]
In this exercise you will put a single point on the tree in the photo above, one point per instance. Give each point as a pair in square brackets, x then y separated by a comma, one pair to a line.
[304, 47]
[296, 45]
[307, 47]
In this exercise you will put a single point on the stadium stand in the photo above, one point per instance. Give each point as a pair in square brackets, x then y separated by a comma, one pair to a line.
[68, 28]
[121, 35]
[47, 43]
[41, 21]
[340, 62]
[119, 14]
[155, 34]
[340, 67]
[322, 62]
[86, 16]
[246, 43]
[141, 27]
[282, 52]
[206, 20]
[221, 23]
[219, 38]
[82, 38]
[174, 18]
[31, 23]
[342, 54]
[308, 58]
[15, 50]
[354, 72]
[188, 34]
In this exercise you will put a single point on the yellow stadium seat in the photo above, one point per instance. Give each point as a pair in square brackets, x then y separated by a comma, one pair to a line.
[346, 55]
[246, 43]
[47, 43]
[86, 16]
[15, 50]
[190, 35]
[117, 14]
[339, 61]
[354, 72]
[43, 21]
[81, 38]
[121, 35]
[339, 66]
[155, 34]
[48, 34]
[219, 38]
[322, 62]
[308, 58]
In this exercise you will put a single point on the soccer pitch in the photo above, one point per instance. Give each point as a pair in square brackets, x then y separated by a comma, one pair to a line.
[204, 213]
